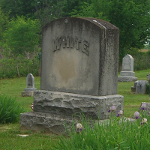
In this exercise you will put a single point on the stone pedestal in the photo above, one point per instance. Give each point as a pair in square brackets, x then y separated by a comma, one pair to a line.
[56, 111]
[28, 92]
[126, 79]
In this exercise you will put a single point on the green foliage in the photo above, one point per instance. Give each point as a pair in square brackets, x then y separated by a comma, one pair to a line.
[47, 11]
[116, 133]
[132, 17]
[147, 89]
[21, 36]
[19, 7]
[3, 23]
[142, 62]
[9, 110]
[141, 59]
[12, 67]
[9, 138]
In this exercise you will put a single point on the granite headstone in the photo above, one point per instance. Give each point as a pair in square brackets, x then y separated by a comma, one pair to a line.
[139, 87]
[127, 74]
[79, 74]
[29, 90]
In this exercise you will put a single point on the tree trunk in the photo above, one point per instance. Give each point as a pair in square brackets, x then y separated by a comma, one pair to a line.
[18, 71]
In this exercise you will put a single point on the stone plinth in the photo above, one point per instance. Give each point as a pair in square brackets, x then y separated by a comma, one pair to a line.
[53, 110]
[27, 93]
[126, 79]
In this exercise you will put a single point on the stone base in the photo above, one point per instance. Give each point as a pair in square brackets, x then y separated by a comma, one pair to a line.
[45, 122]
[127, 73]
[127, 79]
[30, 89]
[27, 93]
[53, 110]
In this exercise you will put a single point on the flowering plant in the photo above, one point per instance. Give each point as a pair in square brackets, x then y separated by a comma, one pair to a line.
[79, 128]
[32, 106]
[113, 111]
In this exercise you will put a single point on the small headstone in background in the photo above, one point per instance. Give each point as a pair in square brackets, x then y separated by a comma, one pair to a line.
[139, 87]
[127, 74]
[29, 91]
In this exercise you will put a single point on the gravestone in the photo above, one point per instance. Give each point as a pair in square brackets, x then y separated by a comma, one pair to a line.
[139, 87]
[127, 74]
[78, 75]
[29, 90]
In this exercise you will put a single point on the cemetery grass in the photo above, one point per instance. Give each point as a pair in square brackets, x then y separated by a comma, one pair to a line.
[9, 133]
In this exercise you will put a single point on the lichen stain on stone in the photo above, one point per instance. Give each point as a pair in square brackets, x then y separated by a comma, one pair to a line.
[66, 68]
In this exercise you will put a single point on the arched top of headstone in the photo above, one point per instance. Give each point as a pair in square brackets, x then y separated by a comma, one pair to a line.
[94, 21]
[129, 56]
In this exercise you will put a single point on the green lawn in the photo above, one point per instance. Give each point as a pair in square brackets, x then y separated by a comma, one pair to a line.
[9, 139]
[132, 101]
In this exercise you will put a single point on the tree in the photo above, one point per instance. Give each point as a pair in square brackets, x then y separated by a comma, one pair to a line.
[44, 10]
[132, 17]
[19, 7]
[49, 10]
[22, 35]
[3, 23]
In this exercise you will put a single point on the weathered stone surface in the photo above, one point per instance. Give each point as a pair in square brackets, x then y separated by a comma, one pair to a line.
[126, 79]
[95, 107]
[50, 123]
[139, 87]
[27, 93]
[80, 55]
[79, 74]
[56, 111]
[127, 74]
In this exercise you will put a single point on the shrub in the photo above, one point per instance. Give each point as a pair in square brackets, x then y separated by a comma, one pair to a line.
[141, 60]
[10, 68]
[147, 89]
[9, 110]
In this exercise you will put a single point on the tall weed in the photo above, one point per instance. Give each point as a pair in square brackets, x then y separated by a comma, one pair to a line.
[117, 133]
[9, 110]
